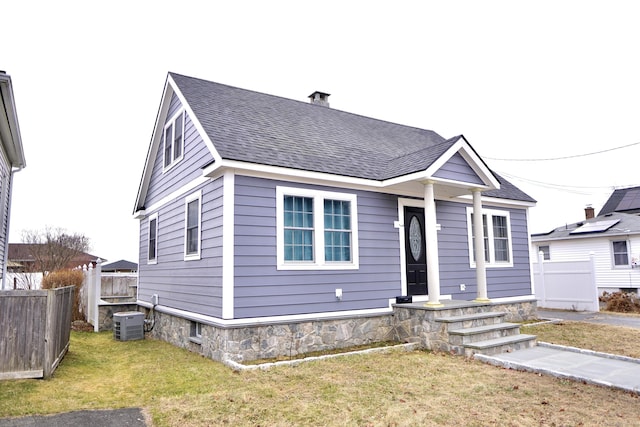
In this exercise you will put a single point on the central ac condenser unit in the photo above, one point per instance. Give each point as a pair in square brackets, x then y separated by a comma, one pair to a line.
[128, 326]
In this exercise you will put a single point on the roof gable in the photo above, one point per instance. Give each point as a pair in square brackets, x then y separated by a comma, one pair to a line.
[253, 128]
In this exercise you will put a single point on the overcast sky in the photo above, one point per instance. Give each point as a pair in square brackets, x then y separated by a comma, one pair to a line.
[521, 80]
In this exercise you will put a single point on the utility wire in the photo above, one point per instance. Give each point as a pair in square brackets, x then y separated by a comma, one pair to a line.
[573, 189]
[565, 157]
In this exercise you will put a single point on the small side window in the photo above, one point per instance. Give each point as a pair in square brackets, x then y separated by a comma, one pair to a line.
[196, 332]
[153, 239]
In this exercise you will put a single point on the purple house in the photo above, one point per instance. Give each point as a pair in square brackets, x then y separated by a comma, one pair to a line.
[260, 214]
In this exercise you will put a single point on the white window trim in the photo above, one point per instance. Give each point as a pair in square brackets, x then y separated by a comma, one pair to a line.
[151, 218]
[613, 255]
[318, 225]
[491, 262]
[180, 115]
[190, 198]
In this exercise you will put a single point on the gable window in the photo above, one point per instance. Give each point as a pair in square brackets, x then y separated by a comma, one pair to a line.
[496, 225]
[316, 229]
[153, 239]
[192, 226]
[173, 139]
[620, 253]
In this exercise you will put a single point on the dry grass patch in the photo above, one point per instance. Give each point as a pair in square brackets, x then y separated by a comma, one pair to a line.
[605, 338]
[183, 389]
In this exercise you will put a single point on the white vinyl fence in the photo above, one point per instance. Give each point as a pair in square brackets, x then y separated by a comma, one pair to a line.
[103, 294]
[569, 285]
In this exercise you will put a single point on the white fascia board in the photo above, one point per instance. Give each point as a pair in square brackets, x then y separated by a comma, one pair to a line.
[180, 192]
[462, 146]
[591, 236]
[298, 174]
[170, 88]
[153, 145]
[13, 145]
[495, 201]
[194, 119]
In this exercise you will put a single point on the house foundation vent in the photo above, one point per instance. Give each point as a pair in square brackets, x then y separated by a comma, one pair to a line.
[128, 326]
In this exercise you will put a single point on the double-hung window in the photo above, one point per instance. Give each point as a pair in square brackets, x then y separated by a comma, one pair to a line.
[192, 228]
[316, 229]
[620, 253]
[152, 257]
[173, 139]
[496, 231]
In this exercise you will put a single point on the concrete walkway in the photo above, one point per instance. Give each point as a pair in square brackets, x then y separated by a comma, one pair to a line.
[573, 363]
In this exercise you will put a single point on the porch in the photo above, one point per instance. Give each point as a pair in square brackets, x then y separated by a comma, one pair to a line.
[465, 327]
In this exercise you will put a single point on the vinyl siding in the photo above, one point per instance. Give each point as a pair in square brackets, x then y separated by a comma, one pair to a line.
[453, 251]
[607, 275]
[195, 285]
[196, 155]
[457, 168]
[262, 290]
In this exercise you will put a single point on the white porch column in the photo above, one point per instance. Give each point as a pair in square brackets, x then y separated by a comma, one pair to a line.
[431, 243]
[478, 247]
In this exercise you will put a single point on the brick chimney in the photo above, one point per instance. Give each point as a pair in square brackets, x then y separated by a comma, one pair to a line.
[589, 212]
[319, 98]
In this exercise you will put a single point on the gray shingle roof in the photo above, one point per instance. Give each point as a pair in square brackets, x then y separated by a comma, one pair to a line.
[622, 200]
[627, 224]
[265, 129]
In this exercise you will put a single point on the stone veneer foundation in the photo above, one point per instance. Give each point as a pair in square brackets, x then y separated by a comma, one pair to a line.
[407, 323]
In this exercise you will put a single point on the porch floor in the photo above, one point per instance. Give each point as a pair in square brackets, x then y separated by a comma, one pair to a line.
[446, 305]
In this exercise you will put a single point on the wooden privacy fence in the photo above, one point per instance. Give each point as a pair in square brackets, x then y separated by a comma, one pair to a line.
[34, 331]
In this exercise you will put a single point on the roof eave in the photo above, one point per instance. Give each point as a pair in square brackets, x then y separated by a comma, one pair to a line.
[9, 126]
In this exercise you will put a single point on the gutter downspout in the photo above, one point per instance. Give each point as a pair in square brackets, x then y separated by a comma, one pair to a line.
[6, 242]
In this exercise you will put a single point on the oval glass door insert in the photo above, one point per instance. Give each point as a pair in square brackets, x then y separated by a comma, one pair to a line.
[415, 238]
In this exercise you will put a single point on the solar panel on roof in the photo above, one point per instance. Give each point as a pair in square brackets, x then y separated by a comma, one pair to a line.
[630, 200]
[595, 227]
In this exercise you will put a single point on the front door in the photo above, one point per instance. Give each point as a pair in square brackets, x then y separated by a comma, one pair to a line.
[415, 251]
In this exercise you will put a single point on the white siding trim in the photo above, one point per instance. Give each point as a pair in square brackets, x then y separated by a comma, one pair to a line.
[402, 203]
[151, 218]
[180, 192]
[228, 244]
[210, 320]
[319, 262]
[197, 196]
[491, 262]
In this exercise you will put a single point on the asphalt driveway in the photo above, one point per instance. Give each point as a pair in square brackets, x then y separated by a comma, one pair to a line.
[127, 417]
[632, 321]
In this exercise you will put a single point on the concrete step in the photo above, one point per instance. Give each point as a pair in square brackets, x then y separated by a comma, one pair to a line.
[482, 333]
[471, 320]
[500, 345]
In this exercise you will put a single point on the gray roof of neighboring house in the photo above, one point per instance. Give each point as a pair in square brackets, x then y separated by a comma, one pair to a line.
[120, 265]
[622, 200]
[254, 127]
[602, 225]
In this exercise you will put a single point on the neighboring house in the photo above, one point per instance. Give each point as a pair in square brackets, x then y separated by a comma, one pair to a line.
[11, 160]
[120, 266]
[257, 209]
[611, 239]
[24, 271]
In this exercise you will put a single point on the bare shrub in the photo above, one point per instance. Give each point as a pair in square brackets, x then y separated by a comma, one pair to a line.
[62, 278]
[621, 302]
